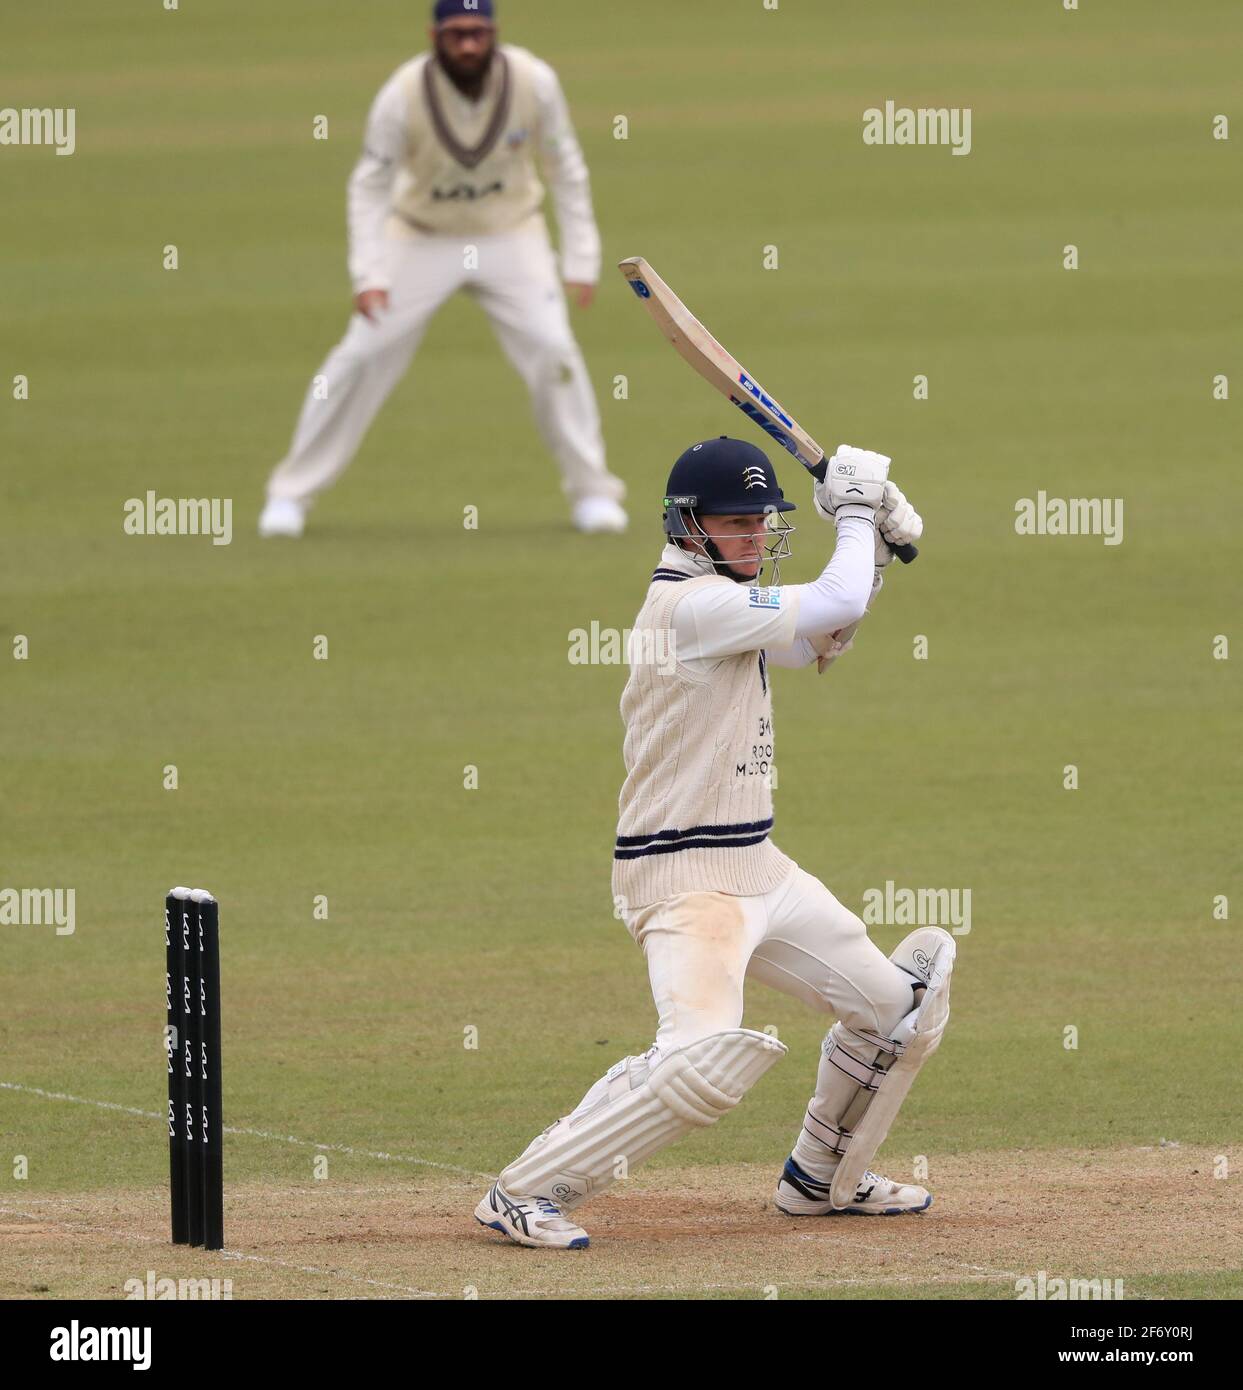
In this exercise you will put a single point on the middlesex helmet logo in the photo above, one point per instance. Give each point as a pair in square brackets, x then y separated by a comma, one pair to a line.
[754, 477]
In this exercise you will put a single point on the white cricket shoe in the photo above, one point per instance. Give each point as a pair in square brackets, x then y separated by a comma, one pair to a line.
[282, 517]
[799, 1194]
[530, 1221]
[594, 515]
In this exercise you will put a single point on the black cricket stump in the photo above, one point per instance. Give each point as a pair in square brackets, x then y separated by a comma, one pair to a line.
[195, 1123]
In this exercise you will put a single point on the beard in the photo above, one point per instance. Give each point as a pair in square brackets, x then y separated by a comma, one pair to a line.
[469, 74]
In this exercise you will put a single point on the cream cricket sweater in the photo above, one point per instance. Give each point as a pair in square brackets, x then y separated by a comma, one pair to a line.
[469, 167]
[696, 807]
[436, 162]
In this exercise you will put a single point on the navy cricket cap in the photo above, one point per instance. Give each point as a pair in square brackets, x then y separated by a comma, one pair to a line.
[452, 9]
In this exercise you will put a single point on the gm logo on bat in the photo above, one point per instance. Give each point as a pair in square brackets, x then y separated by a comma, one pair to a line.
[640, 289]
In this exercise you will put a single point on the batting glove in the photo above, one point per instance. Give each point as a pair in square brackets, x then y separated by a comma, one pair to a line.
[897, 523]
[854, 484]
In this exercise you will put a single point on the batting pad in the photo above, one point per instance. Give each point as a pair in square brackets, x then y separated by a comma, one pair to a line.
[928, 953]
[636, 1109]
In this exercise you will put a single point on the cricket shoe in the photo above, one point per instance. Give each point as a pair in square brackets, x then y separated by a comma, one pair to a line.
[595, 515]
[799, 1194]
[530, 1221]
[282, 517]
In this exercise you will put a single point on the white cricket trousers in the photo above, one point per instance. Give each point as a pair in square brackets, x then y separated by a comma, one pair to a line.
[519, 287]
[796, 937]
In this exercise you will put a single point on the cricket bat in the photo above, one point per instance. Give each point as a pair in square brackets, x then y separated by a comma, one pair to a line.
[696, 345]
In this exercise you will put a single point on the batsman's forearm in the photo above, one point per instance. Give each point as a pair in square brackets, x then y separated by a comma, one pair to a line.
[799, 653]
[830, 645]
[840, 596]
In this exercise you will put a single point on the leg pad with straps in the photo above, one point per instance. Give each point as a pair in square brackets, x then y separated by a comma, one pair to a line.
[928, 954]
[641, 1105]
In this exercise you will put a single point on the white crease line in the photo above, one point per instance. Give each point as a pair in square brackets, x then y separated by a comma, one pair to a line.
[883, 1250]
[318, 1192]
[77, 1227]
[335, 1273]
[252, 1133]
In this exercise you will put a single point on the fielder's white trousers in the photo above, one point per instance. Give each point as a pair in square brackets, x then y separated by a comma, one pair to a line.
[796, 937]
[517, 283]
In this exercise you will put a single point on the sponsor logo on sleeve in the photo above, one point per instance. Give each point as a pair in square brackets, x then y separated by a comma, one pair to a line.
[764, 598]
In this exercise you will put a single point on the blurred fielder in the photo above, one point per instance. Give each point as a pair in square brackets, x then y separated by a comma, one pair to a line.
[446, 197]
[704, 891]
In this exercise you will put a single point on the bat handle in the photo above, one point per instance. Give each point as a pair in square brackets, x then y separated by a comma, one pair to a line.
[905, 553]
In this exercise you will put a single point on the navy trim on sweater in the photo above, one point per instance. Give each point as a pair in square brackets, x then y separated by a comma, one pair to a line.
[696, 837]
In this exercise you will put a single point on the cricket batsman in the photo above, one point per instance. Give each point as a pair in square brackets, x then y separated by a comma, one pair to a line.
[705, 892]
[447, 196]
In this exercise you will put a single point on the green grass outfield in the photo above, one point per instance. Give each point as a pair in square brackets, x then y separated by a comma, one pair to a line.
[489, 909]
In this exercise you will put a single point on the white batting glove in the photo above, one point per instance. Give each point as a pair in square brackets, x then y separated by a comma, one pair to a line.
[897, 523]
[854, 484]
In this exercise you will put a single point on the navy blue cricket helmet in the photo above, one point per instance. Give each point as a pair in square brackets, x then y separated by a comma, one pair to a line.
[724, 477]
[721, 477]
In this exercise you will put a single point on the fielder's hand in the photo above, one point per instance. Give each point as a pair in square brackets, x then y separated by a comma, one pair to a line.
[580, 292]
[897, 523]
[371, 303]
[854, 484]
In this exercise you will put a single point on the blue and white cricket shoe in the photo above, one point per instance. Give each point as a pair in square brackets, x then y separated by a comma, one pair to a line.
[530, 1221]
[799, 1194]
